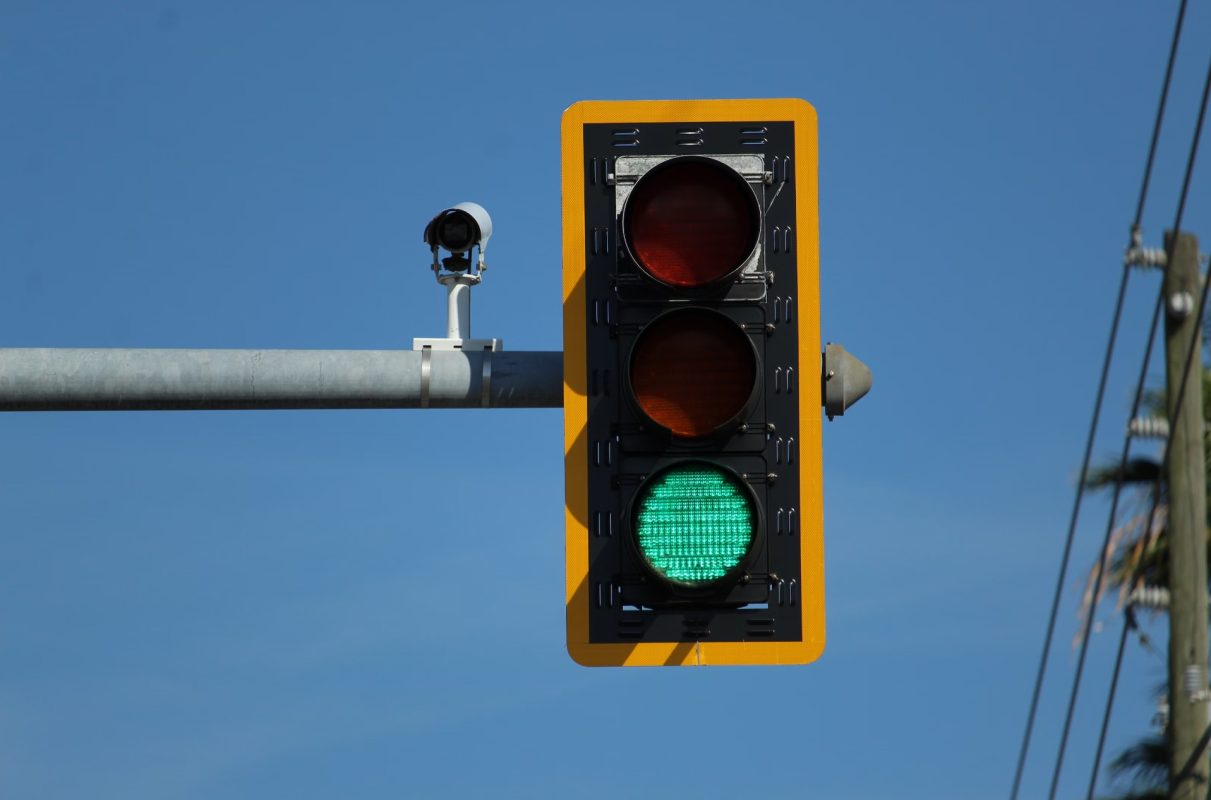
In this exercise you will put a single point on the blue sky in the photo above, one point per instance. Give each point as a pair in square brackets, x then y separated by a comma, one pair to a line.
[253, 604]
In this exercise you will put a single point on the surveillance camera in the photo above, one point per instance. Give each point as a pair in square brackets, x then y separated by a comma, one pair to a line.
[460, 228]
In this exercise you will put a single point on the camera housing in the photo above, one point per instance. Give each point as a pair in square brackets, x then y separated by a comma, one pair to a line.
[459, 229]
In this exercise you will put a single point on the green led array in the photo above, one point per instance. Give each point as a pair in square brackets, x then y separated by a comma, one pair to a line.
[694, 523]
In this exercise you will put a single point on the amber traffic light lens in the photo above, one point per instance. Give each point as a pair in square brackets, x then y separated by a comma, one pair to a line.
[693, 371]
[691, 222]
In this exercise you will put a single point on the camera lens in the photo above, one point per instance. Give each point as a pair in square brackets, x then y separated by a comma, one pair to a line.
[456, 231]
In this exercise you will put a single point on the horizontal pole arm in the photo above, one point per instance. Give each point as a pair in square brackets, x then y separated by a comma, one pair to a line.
[102, 379]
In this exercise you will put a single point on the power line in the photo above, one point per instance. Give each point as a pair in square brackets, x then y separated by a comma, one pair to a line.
[1128, 623]
[1188, 767]
[1060, 580]
[1098, 570]
[1097, 410]
[1177, 410]
[1160, 113]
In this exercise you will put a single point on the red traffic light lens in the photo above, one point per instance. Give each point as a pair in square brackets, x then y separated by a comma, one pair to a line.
[691, 222]
[693, 371]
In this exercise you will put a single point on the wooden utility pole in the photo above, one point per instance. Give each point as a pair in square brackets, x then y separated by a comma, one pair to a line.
[1185, 461]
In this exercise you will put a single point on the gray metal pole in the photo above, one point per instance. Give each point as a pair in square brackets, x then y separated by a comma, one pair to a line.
[1187, 525]
[46, 379]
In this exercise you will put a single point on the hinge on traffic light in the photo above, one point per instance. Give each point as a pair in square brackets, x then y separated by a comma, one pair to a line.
[780, 169]
[785, 592]
[690, 137]
[784, 310]
[783, 239]
[600, 172]
[784, 522]
[784, 380]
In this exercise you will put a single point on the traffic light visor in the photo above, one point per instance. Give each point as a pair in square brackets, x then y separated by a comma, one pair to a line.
[693, 372]
[691, 222]
[694, 523]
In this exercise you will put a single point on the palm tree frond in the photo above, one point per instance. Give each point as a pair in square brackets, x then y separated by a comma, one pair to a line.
[1146, 765]
[1136, 471]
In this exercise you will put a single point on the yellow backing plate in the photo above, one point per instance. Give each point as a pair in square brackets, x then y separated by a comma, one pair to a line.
[575, 400]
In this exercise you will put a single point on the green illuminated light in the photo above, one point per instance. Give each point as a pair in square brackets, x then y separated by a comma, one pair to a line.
[694, 523]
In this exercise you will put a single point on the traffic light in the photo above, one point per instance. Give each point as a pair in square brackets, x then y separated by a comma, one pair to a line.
[692, 390]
